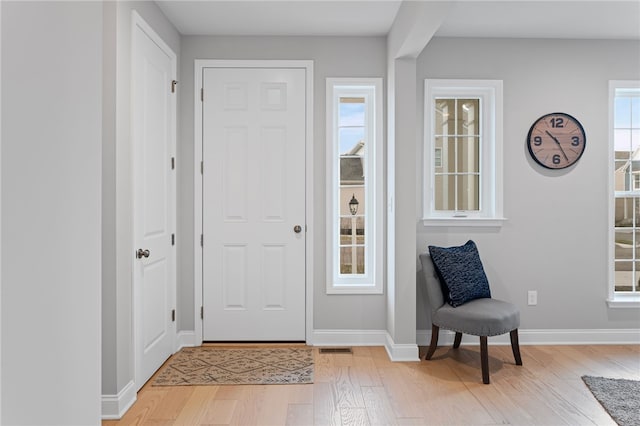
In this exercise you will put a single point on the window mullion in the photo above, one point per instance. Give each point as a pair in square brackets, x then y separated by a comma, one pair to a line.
[455, 155]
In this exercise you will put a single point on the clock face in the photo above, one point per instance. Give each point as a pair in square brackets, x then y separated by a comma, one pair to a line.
[556, 140]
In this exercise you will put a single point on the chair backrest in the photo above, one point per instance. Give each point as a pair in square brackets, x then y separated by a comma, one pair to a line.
[434, 289]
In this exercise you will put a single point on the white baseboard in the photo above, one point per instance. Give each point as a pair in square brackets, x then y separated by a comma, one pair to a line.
[114, 406]
[401, 352]
[396, 352]
[409, 352]
[186, 339]
[349, 337]
[544, 337]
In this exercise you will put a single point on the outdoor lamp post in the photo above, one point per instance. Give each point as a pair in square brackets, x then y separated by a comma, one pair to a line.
[353, 205]
[353, 208]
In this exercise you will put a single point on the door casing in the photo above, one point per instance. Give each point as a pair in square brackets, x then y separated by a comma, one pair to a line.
[200, 64]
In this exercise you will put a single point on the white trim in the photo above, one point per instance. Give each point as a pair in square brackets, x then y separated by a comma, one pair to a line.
[1, 216]
[611, 197]
[198, 83]
[186, 339]
[199, 65]
[490, 92]
[621, 300]
[138, 22]
[409, 352]
[115, 406]
[615, 299]
[349, 337]
[495, 222]
[401, 352]
[629, 336]
[372, 281]
[396, 352]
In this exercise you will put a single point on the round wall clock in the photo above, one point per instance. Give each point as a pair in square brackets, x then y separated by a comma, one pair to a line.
[556, 140]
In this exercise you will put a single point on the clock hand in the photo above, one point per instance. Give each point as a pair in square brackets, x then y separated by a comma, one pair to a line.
[559, 146]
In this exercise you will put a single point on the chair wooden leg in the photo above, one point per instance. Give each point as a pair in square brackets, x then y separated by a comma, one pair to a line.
[457, 340]
[434, 341]
[484, 359]
[515, 346]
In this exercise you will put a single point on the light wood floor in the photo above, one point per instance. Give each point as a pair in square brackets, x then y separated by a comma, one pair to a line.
[365, 388]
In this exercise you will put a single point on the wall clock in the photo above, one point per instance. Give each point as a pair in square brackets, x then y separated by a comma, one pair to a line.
[556, 140]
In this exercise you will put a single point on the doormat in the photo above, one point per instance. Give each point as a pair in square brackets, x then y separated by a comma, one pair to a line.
[619, 397]
[245, 366]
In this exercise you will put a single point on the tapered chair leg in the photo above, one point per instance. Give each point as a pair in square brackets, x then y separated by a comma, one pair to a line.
[434, 341]
[515, 346]
[484, 359]
[457, 340]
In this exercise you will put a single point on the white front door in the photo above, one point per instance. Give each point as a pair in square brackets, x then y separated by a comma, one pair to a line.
[153, 254]
[253, 204]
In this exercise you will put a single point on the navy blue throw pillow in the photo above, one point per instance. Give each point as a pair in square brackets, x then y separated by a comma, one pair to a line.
[461, 271]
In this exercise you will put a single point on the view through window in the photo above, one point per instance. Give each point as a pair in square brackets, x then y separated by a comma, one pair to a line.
[351, 134]
[457, 154]
[626, 143]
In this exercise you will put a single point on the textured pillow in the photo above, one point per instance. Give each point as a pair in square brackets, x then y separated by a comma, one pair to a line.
[461, 271]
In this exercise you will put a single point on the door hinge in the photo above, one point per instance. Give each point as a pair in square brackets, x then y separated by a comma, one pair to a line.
[201, 95]
[173, 315]
[173, 86]
[201, 312]
[202, 167]
[173, 239]
[201, 240]
[173, 163]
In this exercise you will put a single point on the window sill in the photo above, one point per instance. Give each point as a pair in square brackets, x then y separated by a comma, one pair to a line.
[624, 301]
[354, 290]
[495, 222]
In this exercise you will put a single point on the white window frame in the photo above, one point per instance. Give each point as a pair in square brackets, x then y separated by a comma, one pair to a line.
[371, 282]
[616, 299]
[489, 92]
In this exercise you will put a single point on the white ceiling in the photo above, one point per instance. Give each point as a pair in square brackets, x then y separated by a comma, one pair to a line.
[475, 18]
[271, 17]
[544, 19]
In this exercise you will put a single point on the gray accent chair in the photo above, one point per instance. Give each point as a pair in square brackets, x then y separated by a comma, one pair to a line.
[480, 317]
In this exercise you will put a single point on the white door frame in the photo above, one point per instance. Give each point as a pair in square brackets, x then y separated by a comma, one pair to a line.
[139, 22]
[200, 64]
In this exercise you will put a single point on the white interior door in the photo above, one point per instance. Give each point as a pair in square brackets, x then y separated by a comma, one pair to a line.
[253, 204]
[154, 253]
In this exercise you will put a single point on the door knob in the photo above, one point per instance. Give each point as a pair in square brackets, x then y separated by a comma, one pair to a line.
[297, 229]
[142, 253]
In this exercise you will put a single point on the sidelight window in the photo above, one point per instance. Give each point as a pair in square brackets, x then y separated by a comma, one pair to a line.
[354, 168]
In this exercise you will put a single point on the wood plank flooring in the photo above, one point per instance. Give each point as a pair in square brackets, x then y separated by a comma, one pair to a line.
[366, 388]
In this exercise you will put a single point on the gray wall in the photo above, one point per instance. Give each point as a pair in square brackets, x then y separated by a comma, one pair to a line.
[555, 239]
[51, 212]
[117, 211]
[333, 57]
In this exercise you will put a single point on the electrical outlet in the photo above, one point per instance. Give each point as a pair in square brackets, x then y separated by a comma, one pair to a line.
[532, 297]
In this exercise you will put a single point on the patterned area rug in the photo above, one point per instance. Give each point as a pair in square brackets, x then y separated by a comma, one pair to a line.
[246, 366]
[619, 397]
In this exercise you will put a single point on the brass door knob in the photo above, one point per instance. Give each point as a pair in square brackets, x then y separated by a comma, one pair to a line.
[297, 229]
[142, 253]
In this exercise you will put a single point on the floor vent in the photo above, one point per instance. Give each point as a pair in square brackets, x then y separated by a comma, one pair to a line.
[336, 351]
